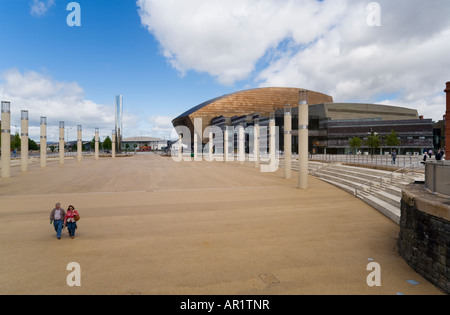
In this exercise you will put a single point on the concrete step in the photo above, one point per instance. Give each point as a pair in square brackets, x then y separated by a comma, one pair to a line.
[361, 178]
[347, 188]
[338, 180]
[384, 196]
[394, 200]
[390, 211]
[384, 207]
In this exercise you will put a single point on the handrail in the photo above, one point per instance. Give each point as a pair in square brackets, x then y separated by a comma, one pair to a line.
[381, 178]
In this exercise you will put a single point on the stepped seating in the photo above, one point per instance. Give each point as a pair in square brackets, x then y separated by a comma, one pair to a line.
[380, 189]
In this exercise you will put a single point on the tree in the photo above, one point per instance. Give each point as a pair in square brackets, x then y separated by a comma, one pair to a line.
[392, 140]
[32, 145]
[107, 143]
[373, 141]
[16, 143]
[355, 143]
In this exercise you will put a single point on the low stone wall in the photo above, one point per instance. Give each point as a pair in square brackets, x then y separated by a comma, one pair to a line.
[424, 240]
[437, 177]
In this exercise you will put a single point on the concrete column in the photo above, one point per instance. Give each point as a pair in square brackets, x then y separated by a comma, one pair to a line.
[226, 145]
[180, 146]
[24, 140]
[96, 144]
[303, 121]
[61, 142]
[447, 123]
[113, 144]
[6, 139]
[198, 134]
[210, 146]
[287, 143]
[272, 143]
[43, 141]
[256, 142]
[241, 145]
[79, 143]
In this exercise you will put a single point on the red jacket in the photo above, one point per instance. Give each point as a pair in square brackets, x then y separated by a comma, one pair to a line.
[70, 216]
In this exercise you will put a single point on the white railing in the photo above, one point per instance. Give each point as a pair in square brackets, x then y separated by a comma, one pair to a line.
[377, 160]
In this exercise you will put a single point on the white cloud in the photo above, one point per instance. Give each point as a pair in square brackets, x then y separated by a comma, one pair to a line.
[226, 38]
[40, 7]
[321, 45]
[43, 96]
[161, 125]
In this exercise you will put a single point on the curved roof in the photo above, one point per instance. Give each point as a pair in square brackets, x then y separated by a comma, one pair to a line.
[196, 108]
[261, 100]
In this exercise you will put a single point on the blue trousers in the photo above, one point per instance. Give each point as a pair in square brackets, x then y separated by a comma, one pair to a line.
[58, 224]
[72, 226]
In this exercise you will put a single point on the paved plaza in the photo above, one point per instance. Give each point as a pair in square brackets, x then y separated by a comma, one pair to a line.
[153, 226]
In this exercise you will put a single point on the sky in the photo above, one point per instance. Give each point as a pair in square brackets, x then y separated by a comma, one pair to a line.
[167, 56]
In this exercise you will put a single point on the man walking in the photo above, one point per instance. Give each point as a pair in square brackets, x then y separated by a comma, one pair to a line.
[57, 217]
[394, 156]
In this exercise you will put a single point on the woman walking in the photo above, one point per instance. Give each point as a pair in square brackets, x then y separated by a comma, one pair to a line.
[71, 219]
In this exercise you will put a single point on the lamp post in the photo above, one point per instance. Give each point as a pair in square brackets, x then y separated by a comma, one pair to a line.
[96, 143]
[256, 141]
[197, 138]
[24, 140]
[79, 143]
[6, 139]
[113, 147]
[43, 141]
[303, 129]
[61, 142]
[287, 142]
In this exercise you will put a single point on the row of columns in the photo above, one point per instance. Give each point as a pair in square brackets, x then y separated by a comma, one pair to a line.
[302, 135]
[303, 130]
[6, 141]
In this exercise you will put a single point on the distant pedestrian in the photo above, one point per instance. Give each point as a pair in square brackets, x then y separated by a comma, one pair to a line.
[57, 218]
[437, 156]
[430, 153]
[442, 154]
[71, 219]
[425, 156]
[394, 156]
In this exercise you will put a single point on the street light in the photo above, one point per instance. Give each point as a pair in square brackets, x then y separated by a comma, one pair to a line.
[303, 146]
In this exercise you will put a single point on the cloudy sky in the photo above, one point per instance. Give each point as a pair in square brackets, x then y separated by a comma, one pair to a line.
[166, 56]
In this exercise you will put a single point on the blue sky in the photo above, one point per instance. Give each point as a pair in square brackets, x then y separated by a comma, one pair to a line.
[166, 56]
[111, 53]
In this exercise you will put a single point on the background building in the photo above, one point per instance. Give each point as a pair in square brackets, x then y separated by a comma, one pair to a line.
[143, 144]
[331, 125]
[263, 101]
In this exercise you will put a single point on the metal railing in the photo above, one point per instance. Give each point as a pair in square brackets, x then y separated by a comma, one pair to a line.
[377, 160]
[371, 182]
